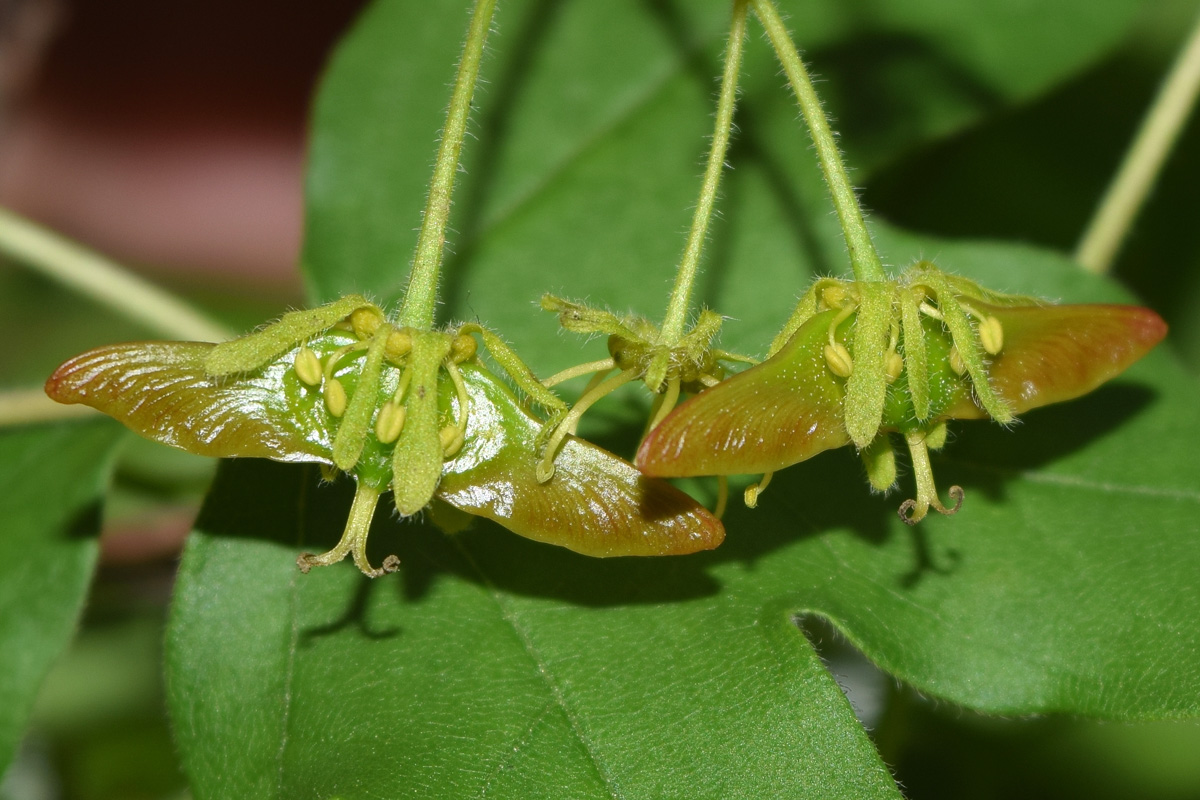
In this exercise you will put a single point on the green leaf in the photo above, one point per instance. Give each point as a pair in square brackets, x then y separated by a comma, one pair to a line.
[488, 666]
[53, 477]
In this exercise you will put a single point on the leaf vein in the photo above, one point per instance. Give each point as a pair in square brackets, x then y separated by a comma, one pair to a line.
[543, 670]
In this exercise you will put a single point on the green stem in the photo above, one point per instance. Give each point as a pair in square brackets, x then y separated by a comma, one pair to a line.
[104, 281]
[677, 308]
[863, 256]
[1102, 240]
[421, 296]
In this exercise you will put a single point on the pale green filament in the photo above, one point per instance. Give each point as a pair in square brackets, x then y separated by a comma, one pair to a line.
[545, 469]
[603, 365]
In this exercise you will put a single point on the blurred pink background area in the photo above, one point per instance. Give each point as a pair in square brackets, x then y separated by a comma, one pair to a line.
[168, 135]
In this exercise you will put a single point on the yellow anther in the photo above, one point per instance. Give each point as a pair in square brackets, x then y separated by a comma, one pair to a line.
[750, 496]
[307, 367]
[463, 348]
[930, 311]
[335, 397]
[452, 440]
[894, 366]
[834, 296]
[991, 335]
[838, 359]
[935, 437]
[399, 344]
[390, 422]
[365, 321]
[956, 362]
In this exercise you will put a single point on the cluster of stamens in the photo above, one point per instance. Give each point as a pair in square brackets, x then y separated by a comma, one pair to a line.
[368, 326]
[973, 335]
[637, 351]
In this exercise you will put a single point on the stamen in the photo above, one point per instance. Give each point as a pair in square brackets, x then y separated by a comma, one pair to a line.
[834, 296]
[390, 422]
[956, 361]
[335, 397]
[604, 365]
[722, 496]
[755, 489]
[894, 366]
[307, 367]
[331, 363]
[402, 387]
[453, 436]
[399, 344]
[930, 311]
[545, 469]
[836, 355]
[991, 335]
[365, 321]
[991, 332]
[463, 348]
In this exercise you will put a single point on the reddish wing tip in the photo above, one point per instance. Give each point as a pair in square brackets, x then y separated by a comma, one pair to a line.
[1056, 353]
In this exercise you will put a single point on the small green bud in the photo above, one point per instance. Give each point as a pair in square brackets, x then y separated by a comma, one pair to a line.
[307, 367]
[365, 321]
[463, 348]
[834, 296]
[399, 344]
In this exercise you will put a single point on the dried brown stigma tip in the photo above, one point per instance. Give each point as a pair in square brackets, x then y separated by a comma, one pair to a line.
[335, 397]
[909, 514]
[307, 367]
[956, 494]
